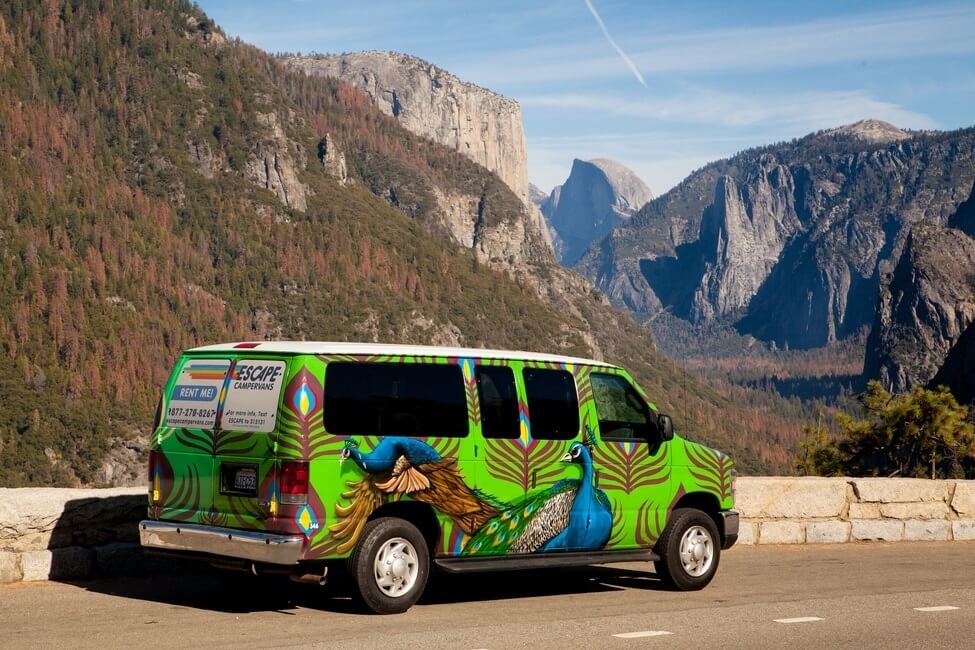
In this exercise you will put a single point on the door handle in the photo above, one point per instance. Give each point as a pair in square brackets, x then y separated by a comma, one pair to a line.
[534, 477]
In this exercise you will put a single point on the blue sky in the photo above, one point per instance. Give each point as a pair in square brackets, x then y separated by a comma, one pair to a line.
[720, 76]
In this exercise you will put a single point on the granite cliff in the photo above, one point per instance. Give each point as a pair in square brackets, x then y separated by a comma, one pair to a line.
[480, 124]
[598, 195]
[923, 307]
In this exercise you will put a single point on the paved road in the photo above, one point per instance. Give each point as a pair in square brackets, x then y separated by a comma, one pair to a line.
[862, 596]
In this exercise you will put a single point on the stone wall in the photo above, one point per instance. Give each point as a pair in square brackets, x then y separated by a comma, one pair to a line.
[52, 533]
[838, 510]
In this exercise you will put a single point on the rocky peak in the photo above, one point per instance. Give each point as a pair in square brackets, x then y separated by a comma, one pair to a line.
[598, 195]
[873, 131]
[631, 192]
[429, 101]
[743, 233]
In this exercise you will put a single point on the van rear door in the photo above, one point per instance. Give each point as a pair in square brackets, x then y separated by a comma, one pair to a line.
[213, 461]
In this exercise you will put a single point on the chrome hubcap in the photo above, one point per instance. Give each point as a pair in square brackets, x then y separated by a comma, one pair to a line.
[696, 551]
[396, 567]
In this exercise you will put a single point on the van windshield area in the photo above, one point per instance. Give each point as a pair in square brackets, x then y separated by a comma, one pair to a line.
[395, 399]
[623, 415]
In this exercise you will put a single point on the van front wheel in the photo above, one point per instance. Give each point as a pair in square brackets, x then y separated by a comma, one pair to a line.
[689, 550]
[389, 565]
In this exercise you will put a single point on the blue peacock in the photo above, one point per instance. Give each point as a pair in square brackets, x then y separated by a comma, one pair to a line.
[571, 515]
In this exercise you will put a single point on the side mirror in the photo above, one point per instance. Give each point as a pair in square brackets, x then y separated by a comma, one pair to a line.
[666, 427]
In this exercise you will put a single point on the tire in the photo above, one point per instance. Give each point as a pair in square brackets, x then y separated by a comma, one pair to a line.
[702, 550]
[397, 546]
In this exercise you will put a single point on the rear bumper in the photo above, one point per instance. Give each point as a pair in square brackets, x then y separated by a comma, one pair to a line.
[729, 528]
[226, 542]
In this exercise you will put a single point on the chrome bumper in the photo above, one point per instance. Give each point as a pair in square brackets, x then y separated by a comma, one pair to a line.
[729, 528]
[226, 542]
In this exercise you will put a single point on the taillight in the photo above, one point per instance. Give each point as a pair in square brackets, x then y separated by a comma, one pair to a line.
[155, 475]
[293, 483]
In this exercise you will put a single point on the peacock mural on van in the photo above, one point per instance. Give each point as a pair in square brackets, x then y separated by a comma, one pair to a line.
[572, 514]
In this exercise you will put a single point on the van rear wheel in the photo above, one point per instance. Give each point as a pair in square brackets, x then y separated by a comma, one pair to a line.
[389, 566]
[689, 550]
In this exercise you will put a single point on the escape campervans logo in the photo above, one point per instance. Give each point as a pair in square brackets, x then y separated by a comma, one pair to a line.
[252, 395]
[256, 377]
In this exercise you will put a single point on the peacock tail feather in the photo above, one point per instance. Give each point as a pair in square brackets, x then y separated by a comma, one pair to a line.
[363, 498]
[450, 494]
[525, 526]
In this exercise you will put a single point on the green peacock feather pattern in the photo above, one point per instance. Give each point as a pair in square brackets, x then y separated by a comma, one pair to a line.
[623, 466]
[711, 469]
[618, 533]
[650, 522]
[301, 430]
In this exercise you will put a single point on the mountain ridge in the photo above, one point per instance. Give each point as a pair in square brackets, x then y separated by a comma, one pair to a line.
[828, 223]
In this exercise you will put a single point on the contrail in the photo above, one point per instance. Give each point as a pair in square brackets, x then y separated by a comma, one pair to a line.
[619, 50]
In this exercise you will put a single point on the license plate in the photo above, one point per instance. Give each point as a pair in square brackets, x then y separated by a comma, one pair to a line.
[239, 480]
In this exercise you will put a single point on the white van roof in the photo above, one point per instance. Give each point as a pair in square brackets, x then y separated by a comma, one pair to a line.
[326, 347]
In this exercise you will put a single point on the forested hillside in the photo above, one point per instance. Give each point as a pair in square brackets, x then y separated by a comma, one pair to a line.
[162, 187]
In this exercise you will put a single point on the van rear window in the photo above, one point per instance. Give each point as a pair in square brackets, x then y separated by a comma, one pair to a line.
[252, 395]
[395, 399]
[194, 398]
[251, 399]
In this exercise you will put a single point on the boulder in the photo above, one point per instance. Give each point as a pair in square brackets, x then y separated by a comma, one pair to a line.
[918, 510]
[927, 530]
[899, 490]
[877, 530]
[827, 532]
[781, 532]
[864, 511]
[963, 500]
[963, 530]
[791, 498]
[58, 564]
[10, 568]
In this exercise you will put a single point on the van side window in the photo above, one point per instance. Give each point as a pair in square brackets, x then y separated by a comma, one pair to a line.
[553, 405]
[499, 401]
[623, 415]
[395, 399]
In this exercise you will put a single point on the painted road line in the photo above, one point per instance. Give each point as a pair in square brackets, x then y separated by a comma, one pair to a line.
[640, 635]
[800, 619]
[936, 608]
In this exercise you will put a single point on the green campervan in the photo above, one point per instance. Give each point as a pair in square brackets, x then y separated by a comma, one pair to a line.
[292, 457]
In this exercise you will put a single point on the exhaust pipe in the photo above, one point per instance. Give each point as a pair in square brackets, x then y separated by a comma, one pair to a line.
[310, 578]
